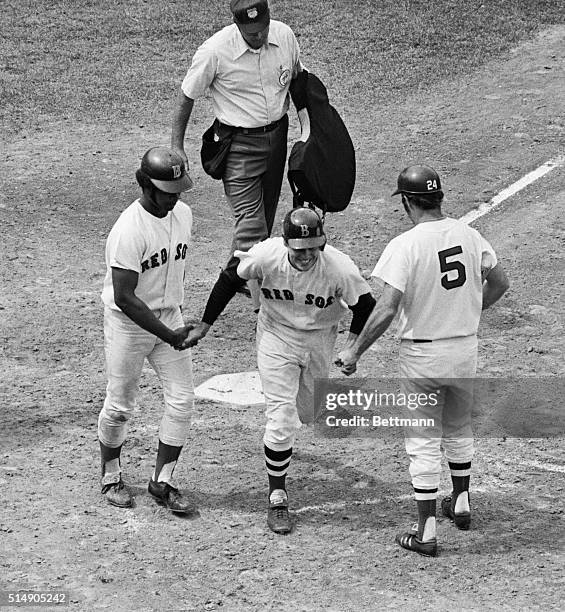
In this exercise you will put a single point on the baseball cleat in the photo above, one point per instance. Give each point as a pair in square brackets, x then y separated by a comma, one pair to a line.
[115, 491]
[409, 540]
[278, 518]
[462, 520]
[169, 496]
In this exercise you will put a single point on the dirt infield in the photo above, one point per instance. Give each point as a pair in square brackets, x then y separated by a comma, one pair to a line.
[350, 495]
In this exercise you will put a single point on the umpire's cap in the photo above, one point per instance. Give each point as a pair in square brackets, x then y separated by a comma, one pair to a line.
[418, 179]
[251, 16]
[166, 170]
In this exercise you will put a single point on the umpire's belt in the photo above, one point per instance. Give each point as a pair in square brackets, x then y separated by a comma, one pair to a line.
[253, 130]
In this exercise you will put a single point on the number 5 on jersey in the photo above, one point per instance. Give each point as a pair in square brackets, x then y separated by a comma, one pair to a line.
[449, 266]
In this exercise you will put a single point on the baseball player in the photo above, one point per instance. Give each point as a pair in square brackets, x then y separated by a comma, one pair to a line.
[247, 68]
[438, 276]
[146, 253]
[304, 284]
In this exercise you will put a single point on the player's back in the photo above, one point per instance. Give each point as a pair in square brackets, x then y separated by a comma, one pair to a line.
[443, 283]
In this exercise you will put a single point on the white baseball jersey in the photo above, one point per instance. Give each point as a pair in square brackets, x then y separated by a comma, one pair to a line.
[153, 247]
[301, 300]
[439, 266]
[249, 87]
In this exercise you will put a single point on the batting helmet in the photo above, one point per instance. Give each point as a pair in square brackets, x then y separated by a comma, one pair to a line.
[303, 229]
[166, 170]
[418, 179]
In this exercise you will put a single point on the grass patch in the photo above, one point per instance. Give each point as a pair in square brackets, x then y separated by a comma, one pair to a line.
[96, 61]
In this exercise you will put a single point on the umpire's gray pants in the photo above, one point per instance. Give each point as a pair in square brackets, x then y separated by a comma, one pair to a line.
[252, 183]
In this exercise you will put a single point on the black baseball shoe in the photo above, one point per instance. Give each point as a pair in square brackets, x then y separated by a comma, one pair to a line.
[409, 540]
[115, 491]
[462, 520]
[278, 518]
[169, 496]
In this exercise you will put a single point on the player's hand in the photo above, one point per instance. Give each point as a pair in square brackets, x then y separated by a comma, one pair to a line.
[196, 333]
[347, 361]
[182, 153]
[180, 336]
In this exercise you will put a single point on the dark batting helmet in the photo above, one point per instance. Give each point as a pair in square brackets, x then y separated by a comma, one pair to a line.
[303, 229]
[419, 180]
[166, 170]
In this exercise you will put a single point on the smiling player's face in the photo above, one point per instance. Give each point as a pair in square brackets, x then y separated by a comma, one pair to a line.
[303, 259]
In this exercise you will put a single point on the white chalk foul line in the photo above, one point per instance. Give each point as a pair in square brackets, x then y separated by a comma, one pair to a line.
[371, 501]
[526, 180]
[332, 507]
[548, 467]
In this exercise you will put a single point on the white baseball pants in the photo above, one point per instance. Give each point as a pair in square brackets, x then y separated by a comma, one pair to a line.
[450, 367]
[127, 346]
[289, 361]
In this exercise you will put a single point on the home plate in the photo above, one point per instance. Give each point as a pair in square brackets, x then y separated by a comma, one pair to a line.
[241, 388]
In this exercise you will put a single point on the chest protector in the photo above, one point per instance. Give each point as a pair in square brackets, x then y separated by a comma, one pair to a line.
[321, 166]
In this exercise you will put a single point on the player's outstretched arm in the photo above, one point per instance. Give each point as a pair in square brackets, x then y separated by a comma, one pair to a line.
[361, 312]
[351, 366]
[495, 286]
[222, 292]
[377, 323]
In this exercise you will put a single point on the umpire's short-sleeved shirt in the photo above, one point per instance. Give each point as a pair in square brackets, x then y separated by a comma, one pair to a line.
[249, 87]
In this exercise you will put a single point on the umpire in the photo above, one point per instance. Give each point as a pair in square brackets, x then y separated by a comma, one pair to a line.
[247, 67]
